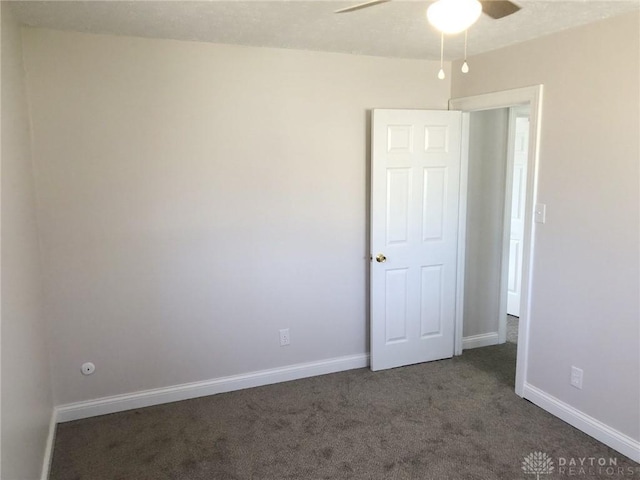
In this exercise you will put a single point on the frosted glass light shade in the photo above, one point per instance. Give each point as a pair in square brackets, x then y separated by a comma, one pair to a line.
[454, 16]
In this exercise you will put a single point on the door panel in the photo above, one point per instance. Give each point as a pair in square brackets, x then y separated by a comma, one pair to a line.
[435, 189]
[431, 301]
[414, 224]
[398, 196]
[396, 306]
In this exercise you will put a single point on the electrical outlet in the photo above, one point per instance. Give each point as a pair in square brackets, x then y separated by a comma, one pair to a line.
[285, 339]
[576, 377]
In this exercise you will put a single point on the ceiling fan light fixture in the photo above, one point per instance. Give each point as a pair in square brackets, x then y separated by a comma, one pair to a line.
[453, 16]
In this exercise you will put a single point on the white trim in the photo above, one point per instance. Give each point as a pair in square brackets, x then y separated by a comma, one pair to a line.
[48, 450]
[147, 398]
[493, 100]
[482, 340]
[462, 234]
[585, 423]
[533, 162]
[509, 98]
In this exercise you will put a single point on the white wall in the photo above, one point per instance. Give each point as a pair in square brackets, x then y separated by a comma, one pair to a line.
[26, 382]
[586, 280]
[485, 220]
[196, 198]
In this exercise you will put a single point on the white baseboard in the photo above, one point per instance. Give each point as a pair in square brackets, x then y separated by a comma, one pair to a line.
[482, 340]
[583, 422]
[48, 450]
[147, 398]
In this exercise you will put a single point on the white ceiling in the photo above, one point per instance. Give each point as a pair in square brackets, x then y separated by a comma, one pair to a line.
[395, 29]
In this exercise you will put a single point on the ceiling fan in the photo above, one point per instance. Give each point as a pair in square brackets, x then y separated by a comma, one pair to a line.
[495, 9]
[454, 16]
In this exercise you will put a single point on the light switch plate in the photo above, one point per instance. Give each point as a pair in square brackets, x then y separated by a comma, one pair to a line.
[540, 213]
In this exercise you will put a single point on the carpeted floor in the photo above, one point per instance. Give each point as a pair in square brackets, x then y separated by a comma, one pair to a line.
[512, 329]
[452, 419]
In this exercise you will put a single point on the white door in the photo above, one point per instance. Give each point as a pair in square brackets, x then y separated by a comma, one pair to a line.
[518, 198]
[415, 188]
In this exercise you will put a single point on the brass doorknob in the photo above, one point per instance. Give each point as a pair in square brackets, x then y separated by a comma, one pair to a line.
[380, 258]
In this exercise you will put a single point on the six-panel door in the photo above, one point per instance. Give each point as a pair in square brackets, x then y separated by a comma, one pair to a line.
[414, 225]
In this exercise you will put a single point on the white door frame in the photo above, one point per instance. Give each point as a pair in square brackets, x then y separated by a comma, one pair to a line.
[531, 96]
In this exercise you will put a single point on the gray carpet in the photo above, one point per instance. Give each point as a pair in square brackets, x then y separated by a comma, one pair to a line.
[452, 419]
[512, 329]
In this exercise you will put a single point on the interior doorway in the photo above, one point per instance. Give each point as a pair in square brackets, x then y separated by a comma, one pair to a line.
[498, 141]
[502, 102]
[488, 202]
[495, 216]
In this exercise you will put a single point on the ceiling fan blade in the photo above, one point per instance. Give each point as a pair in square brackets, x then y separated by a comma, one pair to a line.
[499, 8]
[361, 5]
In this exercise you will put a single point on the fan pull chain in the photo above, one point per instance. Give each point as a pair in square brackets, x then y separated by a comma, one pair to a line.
[441, 72]
[465, 65]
